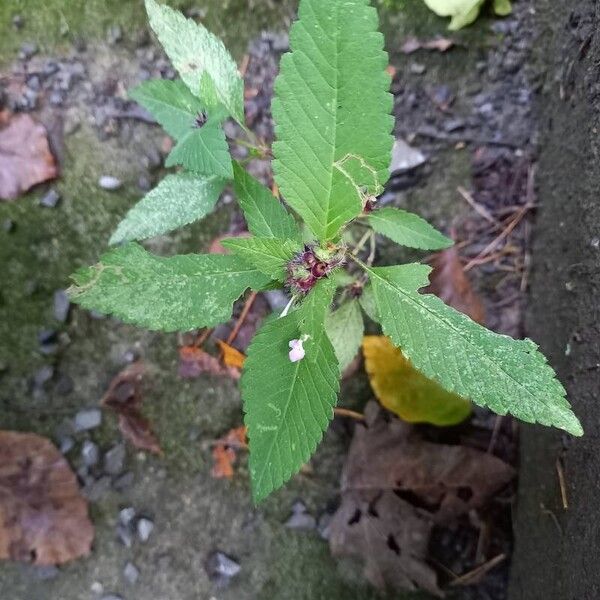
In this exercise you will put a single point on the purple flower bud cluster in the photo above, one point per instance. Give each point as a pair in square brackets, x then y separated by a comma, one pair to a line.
[310, 265]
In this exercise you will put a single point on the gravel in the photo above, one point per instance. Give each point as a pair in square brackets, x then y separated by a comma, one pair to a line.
[127, 515]
[220, 568]
[87, 419]
[114, 460]
[300, 518]
[144, 529]
[90, 453]
[96, 490]
[131, 573]
[50, 199]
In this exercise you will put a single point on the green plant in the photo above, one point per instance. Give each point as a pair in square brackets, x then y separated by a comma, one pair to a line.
[331, 158]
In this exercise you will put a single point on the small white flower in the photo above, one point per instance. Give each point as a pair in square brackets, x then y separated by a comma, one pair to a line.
[297, 351]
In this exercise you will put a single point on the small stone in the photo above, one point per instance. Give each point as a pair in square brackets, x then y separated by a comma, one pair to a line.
[110, 183]
[324, 525]
[114, 35]
[33, 83]
[28, 49]
[417, 68]
[405, 157]
[95, 491]
[131, 573]
[43, 375]
[18, 21]
[50, 199]
[126, 516]
[8, 225]
[62, 306]
[66, 444]
[144, 529]
[50, 68]
[114, 460]
[595, 243]
[90, 453]
[144, 183]
[56, 99]
[123, 482]
[87, 419]
[96, 587]
[125, 535]
[46, 336]
[220, 568]
[300, 518]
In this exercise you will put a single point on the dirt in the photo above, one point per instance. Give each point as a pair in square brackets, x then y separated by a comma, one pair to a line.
[195, 515]
[558, 526]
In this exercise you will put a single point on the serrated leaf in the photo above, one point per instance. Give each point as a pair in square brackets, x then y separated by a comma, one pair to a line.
[331, 110]
[268, 255]
[345, 329]
[407, 229]
[265, 215]
[204, 151]
[201, 58]
[171, 103]
[407, 392]
[288, 405]
[506, 375]
[368, 304]
[176, 201]
[177, 293]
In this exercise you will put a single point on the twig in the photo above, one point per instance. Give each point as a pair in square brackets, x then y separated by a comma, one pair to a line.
[562, 484]
[203, 337]
[479, 571]
[484, 212]
[361, 243]
[346, 412]
[495, 433]
[242, 317]
[244, 66]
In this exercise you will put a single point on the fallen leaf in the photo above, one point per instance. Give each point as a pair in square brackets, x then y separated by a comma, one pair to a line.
[25, 157]
[449, 282]
[224, 452]
[405, 391]
[395, 486]
[43, 516]
[231, 357]
[124, 397]
[194, 361]
[412, 44]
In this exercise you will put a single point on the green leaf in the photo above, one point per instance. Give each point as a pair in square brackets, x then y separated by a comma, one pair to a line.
[171, 103]
[368, 304]
[331, 110]
[506, 375]
[345, 329]
[204, 151]
[265, 215]
[176, 201]
[288, 405]
[502, 7]
[178, 293]
[408, 229]
[268, 255]
[202, 60]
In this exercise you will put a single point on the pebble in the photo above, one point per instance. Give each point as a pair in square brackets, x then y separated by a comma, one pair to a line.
[125, 535]
[220, 568]
[90, 453]
[144, 529]
[114, 460]
[43, 375]
[97, 587]
[127, 515]
[97, 489]
[18, 22]
[123, 482]
[131, 573]
[144, 183]
[56, 99]
[62, 306]
[110, 183]
[50, 199]
[66, 444]
[324, 525]
[300, 518]
[417, 68]
[27, 50]
[8, 225]
[87, 419]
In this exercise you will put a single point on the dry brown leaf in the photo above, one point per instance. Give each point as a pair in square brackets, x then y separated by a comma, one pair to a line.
[43, 517]
[124, 397]
[224, 452]
[395, 486]
[25, 157]
[194, 361]
[412, 44]
[449, 282]
[231, 356]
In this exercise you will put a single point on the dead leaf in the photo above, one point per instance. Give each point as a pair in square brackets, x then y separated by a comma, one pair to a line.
[231, 356]
[224, 452]
[25, 157]
[412, 44]
[405, 391]
[449, 282]
[124, 397]
[43, 517]
[395, 486]
[194, 361]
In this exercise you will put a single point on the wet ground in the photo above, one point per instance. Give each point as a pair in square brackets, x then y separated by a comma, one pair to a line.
[467, 111]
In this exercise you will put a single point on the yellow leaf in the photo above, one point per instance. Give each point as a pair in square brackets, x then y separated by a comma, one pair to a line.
[407, 392]
[231, 356]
